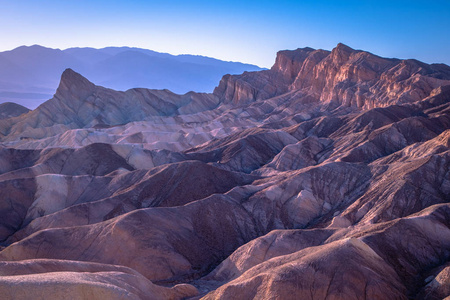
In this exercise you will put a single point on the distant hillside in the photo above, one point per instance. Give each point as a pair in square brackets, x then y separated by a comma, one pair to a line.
[9, 110]
[30, 75]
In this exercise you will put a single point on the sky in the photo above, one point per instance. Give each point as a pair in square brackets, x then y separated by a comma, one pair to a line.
[245, 31]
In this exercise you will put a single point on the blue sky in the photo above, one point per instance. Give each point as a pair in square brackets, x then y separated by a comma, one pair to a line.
[247, 31]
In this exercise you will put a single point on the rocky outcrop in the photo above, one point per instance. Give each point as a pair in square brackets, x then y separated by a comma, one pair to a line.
[346, 76]
[252, 86]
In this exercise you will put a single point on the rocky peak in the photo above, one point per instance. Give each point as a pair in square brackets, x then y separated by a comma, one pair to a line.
[254, 86]
[341, 53]
[306, 75]
[289, 63]
[73, 85]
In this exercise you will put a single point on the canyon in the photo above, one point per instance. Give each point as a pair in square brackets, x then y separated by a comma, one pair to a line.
[324, 177]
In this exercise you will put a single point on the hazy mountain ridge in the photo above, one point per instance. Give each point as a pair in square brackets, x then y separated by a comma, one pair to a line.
[289, 183]
[29, 75]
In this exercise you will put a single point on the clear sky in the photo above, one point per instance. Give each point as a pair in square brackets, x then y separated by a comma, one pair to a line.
[246, 31]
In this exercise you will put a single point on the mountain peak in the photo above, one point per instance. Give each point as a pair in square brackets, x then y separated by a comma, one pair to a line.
[288, 62]
[341, 46]
[72, 83]
[341, 53]
[69, 74]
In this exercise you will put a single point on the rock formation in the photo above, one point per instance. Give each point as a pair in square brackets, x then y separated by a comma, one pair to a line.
[325, 177]
[345, 76]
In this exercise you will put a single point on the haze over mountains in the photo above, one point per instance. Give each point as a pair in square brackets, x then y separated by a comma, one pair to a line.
[325, 177]
[30, 75]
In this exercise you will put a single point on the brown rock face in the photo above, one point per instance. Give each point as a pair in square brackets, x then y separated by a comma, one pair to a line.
[251, 86]
[325, 177]
[346, 76]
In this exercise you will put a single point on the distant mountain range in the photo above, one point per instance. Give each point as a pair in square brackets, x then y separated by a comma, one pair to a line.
[30, 75]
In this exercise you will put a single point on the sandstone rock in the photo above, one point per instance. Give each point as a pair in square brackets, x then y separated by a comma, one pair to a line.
[250, 86]
[346, 76]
